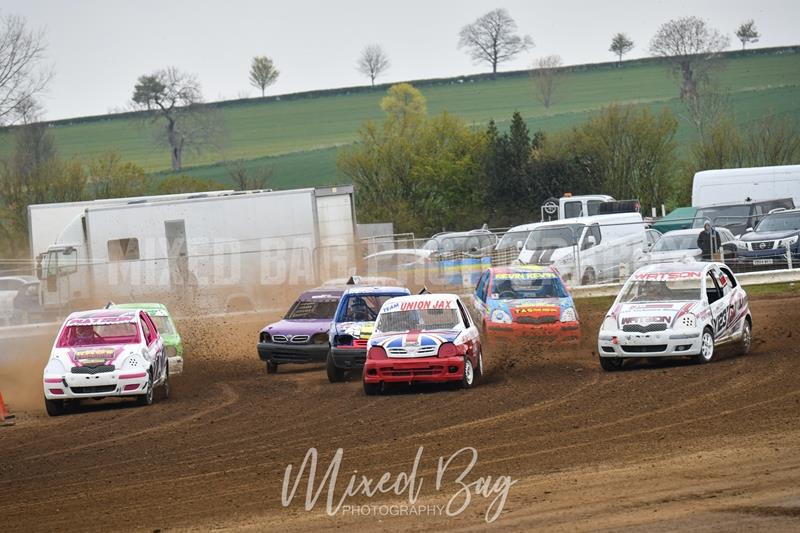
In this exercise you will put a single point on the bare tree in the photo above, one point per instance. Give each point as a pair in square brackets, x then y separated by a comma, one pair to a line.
[174, 96]
[246, 179]
[707, 108]
[373, 62]
[546, 77]
[747, 33]
[691, 46]
[493, 39]
[21, 75]
[263, 73]
[620, 45]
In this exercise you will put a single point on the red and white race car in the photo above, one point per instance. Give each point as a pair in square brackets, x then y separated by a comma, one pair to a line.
[426, 337]
[107, 352]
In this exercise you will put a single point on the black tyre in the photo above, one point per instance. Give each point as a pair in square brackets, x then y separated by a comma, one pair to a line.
[54, 407]
[272, 367]
[147, 397]
[468, 380]
[610, 364]
[747, 338]
[479, 369]
[372, 389]
[335, 374]
[706, 347]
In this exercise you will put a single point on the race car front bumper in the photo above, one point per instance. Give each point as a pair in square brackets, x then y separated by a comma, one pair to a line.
[559, 332]
[407, 370]
[668, 343]
[116, 383]
[349, 358]
[292, 353]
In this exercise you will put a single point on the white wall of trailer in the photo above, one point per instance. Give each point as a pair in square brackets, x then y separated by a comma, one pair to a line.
[738, 185]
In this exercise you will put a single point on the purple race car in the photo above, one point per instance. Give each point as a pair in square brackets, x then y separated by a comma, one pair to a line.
[302, 335]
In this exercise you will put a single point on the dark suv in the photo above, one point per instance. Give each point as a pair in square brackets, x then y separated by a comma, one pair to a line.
[772, 240]
[739, 217]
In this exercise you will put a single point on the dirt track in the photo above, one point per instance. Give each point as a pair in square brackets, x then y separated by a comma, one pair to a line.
[656, 447]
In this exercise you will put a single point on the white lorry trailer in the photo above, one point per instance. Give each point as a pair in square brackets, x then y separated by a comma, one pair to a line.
[203, 252]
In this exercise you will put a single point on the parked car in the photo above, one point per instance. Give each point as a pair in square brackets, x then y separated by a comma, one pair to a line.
[302, 335]
[475, 242]
[681, 245]
[679, 218]
[173, 344]
[675, 309]
[352, 327]
[772, 240]
[525, 300]
[19, 298]
[423, 338]
[589, 249]
[739, 217]
[102, 353]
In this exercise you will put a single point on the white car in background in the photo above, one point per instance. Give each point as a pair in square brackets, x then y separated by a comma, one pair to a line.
[681, 245]
[675, 309]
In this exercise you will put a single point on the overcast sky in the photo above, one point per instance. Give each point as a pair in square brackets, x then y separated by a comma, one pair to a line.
[98, 48]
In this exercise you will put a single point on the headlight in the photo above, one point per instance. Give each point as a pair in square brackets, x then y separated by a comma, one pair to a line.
[687, 321]
[785, 243]
[501, 317]
[320, 338]
[569, 315]
[610, 323]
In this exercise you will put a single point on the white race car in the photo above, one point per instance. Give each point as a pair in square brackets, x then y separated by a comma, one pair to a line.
[108, 352]
[675, 309]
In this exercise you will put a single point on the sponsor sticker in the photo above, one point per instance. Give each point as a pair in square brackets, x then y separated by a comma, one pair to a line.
[526, 275]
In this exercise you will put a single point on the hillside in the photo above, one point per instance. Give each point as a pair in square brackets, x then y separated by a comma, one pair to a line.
[298, 136]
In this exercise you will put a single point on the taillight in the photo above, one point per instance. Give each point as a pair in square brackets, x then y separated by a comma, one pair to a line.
[448, 349]
[376, 352]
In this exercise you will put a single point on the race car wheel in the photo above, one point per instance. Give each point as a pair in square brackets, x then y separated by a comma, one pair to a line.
[747, 338]
[272, 367]
[54, 407]
[610, 364]
[165, 385]
[469, 374]
[372, 389]
[479, 369]
[147, 397]
[335, 374]
[706, 347]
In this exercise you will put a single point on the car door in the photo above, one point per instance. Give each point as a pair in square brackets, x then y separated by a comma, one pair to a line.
[470, 334]
[727, 285]
[481, 294]
[154, 346]
[717, 303]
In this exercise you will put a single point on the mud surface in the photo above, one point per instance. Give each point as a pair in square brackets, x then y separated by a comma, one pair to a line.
[657, 446]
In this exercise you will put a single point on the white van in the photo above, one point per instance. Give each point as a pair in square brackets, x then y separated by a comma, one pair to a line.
[588, 249]
[744, 185]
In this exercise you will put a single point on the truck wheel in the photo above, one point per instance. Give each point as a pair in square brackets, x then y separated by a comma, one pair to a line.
[610, 364]
[335, 374]
[706, 347]
[54, 407]
[747, 338]
[272, 367]
[372, 389]
[147, 397]
[469, 374]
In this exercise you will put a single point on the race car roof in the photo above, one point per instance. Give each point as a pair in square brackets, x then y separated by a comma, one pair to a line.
[102, 316]
[420, 301]
[152, 308]
[524, 269]
[376, 290]
[673, 267]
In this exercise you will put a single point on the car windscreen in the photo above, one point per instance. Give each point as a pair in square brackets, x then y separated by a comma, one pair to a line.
[98, 335]
[659, 290]
[363, 307]
[417, 319]
[726, 215]
[163, 325]
[780, 222]
[511, 239]
[527, 285]
[672, 243]
[313, 309]
[554, 237]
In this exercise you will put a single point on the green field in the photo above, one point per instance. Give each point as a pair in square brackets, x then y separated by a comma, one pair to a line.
[298, 138]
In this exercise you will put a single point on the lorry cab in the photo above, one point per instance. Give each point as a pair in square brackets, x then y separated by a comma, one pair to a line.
[569, 206]
[63, 268]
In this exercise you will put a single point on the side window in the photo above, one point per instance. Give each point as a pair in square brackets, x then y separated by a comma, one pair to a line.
[483, 284]
[146, 330]
[727, 274]
[464, 314]
[593, 207]
[152, 324]
[572, 209]
[712, 289]
[592, 231]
